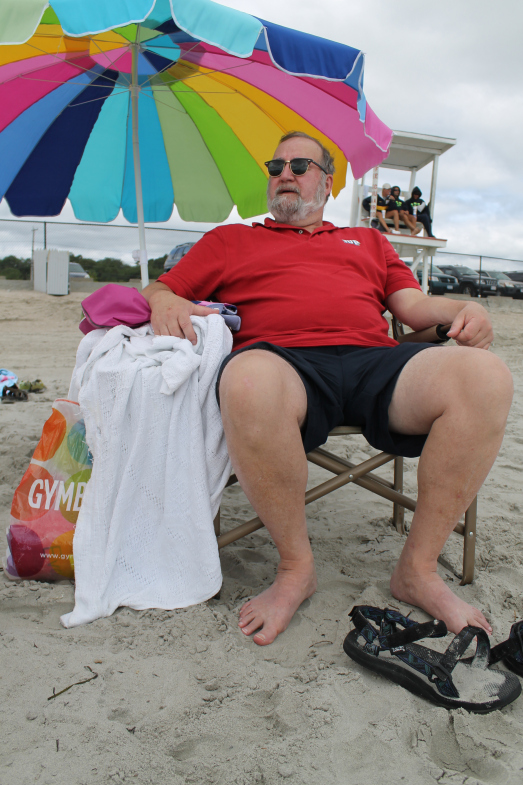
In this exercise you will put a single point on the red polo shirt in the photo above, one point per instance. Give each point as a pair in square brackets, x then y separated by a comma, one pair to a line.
[293, 287]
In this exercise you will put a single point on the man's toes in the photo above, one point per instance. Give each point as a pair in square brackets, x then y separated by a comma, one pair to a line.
[246, 614]
[246, 620]
[251, 626]
[265, 636]
[245, 608]
[478, 620]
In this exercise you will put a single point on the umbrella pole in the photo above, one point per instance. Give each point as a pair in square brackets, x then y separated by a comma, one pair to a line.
[144, 267]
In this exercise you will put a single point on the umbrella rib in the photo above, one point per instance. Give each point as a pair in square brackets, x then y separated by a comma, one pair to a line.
[93, 100]
[124, 50]
[210, 73]
[62, 61]
[68, 82]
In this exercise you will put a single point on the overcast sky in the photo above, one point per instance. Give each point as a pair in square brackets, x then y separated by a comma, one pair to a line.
[450, 68]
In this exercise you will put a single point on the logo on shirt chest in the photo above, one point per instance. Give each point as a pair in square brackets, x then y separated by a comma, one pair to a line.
[351, 242]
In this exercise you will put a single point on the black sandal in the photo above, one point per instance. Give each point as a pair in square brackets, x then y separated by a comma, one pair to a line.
[13, 393]
[445, 679]
[511, 650]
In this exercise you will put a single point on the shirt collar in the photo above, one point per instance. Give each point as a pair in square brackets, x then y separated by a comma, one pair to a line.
[270, 223]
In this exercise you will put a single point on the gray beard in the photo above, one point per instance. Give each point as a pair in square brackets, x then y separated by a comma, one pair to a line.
[288, 209]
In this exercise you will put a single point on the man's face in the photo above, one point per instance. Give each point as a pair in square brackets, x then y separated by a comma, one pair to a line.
[385, 192]
[292, 198]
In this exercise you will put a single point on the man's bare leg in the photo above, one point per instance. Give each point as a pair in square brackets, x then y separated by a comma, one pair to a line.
[381, 219]
[395, 217]
[409, 221]
[461, 398]
[263, 404]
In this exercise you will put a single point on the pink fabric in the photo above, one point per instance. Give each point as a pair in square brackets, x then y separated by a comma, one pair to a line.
[20, 93]
[112, 305]
[11, 70]
[377, 130]
[329, 115]
[121, 59]
[339, 90]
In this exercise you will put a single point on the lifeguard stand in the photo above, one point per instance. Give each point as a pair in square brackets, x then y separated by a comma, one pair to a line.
[409, 152]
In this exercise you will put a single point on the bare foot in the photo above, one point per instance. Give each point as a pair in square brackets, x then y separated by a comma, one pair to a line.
[414, 232]
[273, 609]
[429, 592]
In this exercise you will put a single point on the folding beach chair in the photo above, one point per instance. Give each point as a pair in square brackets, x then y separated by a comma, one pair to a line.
[363, 475]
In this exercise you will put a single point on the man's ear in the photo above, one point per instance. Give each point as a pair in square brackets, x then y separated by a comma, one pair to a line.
[329, 180]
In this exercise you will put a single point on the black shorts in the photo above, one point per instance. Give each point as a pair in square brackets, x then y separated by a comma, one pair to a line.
[348, 385]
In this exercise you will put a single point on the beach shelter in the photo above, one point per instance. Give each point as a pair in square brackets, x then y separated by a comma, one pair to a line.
[141, 104]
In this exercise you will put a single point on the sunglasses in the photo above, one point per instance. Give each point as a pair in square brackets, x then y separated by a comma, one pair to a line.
[298, 166]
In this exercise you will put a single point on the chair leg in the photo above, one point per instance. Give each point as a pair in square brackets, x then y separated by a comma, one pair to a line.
[469, 544]
[398, 514]
[217, 523]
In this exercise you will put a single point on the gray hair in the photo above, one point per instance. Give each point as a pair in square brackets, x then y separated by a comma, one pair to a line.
[327, 161]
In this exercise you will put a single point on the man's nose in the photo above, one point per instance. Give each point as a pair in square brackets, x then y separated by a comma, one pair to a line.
[287, 172]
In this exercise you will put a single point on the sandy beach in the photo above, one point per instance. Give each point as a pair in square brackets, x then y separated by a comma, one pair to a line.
[182, 696]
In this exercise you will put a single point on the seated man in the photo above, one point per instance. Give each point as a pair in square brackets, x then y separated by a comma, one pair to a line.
[415, 210]
[314, 352]
[385, 208]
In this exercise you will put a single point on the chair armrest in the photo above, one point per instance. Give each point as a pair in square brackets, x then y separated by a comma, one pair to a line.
[435, 334]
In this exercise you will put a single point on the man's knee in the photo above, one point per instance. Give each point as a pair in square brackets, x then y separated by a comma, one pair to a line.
[489, 384]
[259, 384]
[483, 392]
[481, 386]
[472, 383]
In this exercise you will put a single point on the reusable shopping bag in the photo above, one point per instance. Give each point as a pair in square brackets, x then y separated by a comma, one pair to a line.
[47, 501]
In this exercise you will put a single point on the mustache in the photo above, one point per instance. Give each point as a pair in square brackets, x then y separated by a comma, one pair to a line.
[286, 188]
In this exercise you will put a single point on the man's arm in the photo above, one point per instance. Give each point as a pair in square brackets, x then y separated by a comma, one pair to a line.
[170, 314]
[471, 325]
[196, 275]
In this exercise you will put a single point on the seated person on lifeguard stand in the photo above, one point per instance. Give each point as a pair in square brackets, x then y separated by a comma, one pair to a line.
[384, 209]
[394, 203]
[415, 210]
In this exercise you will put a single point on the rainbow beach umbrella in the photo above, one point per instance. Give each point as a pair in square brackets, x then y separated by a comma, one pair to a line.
[141, 104]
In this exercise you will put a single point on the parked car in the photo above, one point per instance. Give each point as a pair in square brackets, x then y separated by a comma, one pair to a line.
[439, 282]
[515, 276]
[506, 286]
[469, 281]
[77, 271]
[177, 253]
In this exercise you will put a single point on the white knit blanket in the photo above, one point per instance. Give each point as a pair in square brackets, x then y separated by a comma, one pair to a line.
[144, 536]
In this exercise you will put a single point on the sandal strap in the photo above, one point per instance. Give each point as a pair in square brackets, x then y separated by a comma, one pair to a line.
[459, 645]
[511, 647]
[427, 629]
[388, 638]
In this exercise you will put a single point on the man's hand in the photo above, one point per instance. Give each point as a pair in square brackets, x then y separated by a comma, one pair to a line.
[170, 314]
[472, 327]
[470, 323]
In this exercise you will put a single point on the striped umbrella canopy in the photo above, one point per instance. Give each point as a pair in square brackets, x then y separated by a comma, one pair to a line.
[140, 104]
